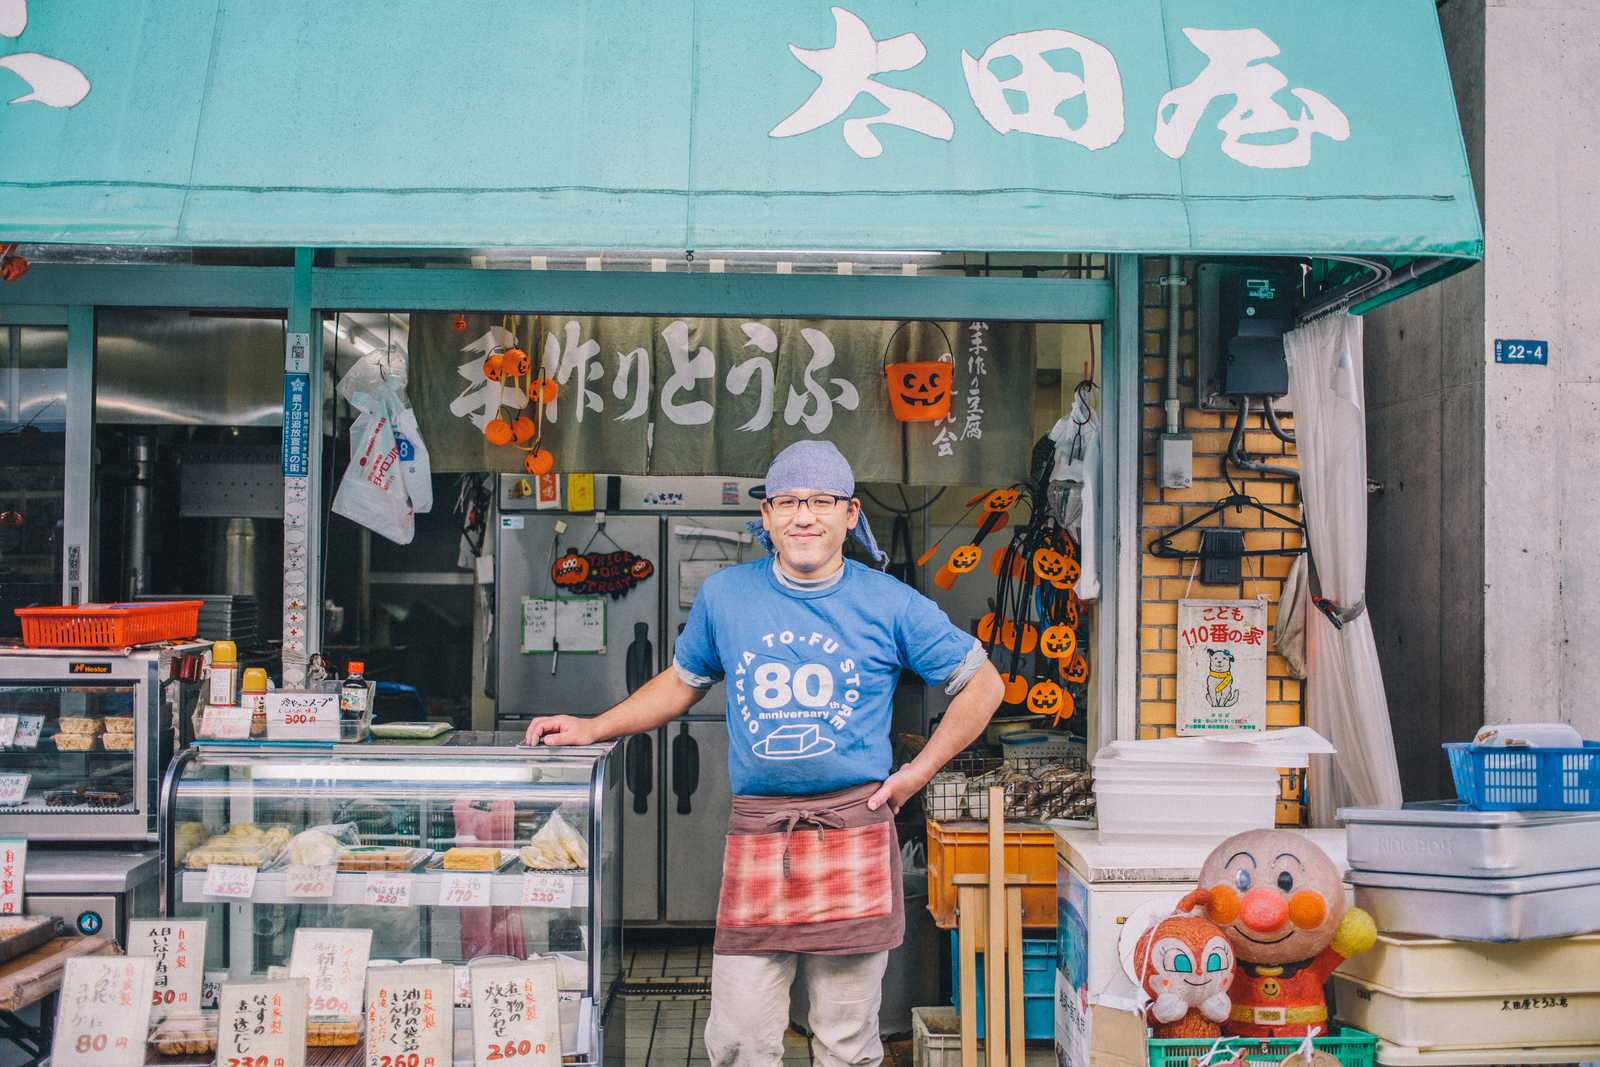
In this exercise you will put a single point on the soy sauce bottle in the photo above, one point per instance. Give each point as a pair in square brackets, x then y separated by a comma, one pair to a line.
[353, 694]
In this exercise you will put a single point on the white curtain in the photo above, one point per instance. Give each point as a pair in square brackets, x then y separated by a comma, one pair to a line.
[1344, 688]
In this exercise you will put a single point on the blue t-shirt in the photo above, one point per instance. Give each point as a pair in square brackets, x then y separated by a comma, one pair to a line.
[811, 673]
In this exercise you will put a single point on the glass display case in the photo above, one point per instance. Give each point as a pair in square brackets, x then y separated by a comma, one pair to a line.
[537, 829]
[81, 741]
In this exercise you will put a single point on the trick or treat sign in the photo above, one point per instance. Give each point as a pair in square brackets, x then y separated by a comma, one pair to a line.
[1222, 665]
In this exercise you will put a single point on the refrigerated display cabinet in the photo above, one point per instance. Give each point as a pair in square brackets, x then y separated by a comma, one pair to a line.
[421, 798]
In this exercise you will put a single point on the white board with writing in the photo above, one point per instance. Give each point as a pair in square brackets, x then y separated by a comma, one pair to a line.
[334, 960]
[577, 623]
[102, 1016]
[411, 1016]
[515, 1013]
[178, 947]
[262, 1022]
[1222, 665]
[13, 868]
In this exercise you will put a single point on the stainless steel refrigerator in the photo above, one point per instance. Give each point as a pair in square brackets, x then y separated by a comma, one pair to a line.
[676, 780]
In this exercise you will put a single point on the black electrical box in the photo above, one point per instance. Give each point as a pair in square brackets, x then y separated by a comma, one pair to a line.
[1221, 556]
[1256, 308]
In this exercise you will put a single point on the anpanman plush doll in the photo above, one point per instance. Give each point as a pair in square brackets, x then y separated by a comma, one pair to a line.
[1280, 901]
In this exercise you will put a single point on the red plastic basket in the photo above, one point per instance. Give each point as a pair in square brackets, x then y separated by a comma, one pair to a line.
[109, 625]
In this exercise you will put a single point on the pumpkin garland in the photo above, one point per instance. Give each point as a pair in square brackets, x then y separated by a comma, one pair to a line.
[509, 364]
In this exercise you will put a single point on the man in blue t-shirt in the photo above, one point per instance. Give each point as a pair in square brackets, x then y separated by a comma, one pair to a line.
[811, 647]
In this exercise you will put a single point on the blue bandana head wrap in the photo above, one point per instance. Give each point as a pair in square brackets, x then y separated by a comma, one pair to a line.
[816, 465]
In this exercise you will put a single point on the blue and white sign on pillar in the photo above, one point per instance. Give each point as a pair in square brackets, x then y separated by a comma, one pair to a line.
[296, 504]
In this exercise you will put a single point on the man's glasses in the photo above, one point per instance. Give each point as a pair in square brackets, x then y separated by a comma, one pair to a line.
[819, 505]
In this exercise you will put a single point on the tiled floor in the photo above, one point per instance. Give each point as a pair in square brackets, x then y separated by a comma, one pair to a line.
[669, 1031]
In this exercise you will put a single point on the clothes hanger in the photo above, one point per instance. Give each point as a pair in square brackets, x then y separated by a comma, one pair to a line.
[1162, 548]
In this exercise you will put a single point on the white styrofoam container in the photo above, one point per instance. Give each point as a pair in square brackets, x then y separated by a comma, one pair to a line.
[1201, 775]
[1481, 909]
[1391, 1055]
[1178, 814]
[1469, 1020]
[1444, 837]
[1413, 966]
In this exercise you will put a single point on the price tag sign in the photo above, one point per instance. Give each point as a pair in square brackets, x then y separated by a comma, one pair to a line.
[262, 1023]
[411, 1016]
[13, 865]
[177, 948]
[225, 722]
[546, 891]
[28, 728]
[463, 987]
[335, 962]
[301, 881]
[296, 716]
[101, 1018]
[8, 730]
[515, 1014]
[225, 881]
[385, 890]
[463, 889]
[12, 788]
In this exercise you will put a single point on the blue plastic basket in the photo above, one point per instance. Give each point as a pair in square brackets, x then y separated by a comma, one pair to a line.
[1038, 985]
[1527, 779]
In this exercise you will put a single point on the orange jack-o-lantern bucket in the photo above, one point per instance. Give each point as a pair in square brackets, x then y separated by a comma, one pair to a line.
[920, 391]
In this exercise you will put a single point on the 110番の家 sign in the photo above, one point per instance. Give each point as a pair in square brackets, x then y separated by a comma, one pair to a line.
[1222, 665]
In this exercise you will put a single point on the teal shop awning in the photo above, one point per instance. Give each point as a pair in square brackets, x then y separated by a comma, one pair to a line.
[1269, 126]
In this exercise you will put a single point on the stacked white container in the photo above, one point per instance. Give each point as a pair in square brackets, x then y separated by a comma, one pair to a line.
[1485, 941]
[1194, 791]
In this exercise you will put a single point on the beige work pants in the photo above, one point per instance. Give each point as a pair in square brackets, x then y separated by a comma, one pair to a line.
[750, 1008]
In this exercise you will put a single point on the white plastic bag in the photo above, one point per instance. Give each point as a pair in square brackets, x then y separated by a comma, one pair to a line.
[414, 466]
[372, 491]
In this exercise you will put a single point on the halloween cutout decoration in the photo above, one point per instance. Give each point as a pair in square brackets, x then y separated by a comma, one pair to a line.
[1068, 576]
[1076, 669]
[920, 391]
[642, 569]
[965, 558]
[1058, 641]
[570, 569]
[1049, 564]
[1280, 903]
[507, 365]
[997, 559]
[1010, 634]
[1045, 698]
[1000, 500]
[1186, 963]
[1016, 688]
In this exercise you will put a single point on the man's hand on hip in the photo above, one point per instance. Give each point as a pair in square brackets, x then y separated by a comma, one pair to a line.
[561, 730]
[898, 788]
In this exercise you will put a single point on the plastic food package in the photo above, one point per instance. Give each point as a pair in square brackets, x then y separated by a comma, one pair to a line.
[328, 1030]
[186, 838]
[556, 847]
[240, 847]
[319, 845]
[472, 859]
[118, 742]
[119, 724]
[80, 724]
[180, 1035]
[377, 858]
[76, 742]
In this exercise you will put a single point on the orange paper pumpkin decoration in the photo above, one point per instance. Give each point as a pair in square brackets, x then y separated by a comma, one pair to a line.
[539, 461]
[965, 558]
[1008, 638]
[1001, 500]
[1076, 669]
[522, 429]
[570, 569]
[542, 390]
[1045, 698]
[494, 366]
[920, 392]
[986, 627]
[515, 363]
[498, 431]
[1016, 688]
[1058, 642]
[997, 558]
[1072, 613]
[945, 578]
[1049, 564]
[1069, 574]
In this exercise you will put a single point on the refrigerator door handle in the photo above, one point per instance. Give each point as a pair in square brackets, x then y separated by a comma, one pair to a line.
[685, 767]
[639, 770]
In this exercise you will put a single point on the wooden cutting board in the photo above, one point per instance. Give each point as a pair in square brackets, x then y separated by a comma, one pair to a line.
[29, 977]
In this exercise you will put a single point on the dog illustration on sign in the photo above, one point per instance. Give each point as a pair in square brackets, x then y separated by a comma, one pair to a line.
[1220, 692]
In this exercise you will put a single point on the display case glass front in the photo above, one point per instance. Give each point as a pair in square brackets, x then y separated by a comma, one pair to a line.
[402, 830]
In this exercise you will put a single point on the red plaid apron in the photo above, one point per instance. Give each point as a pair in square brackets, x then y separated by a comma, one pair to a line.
[810, 874]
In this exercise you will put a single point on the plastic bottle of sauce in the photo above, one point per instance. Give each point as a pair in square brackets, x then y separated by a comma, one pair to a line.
[224, 672]
[254, 696]
[353, 694]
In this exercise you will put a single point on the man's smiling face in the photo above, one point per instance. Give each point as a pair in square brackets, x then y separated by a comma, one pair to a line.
[1277, 895]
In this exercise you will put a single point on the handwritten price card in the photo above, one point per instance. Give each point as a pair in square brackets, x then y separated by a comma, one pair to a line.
[546, 891]
[460, 889]
[177, 949]
[301, 881]
[335, 962]
[223, 880]
[13, 861]
[411, 1016]
[296, 716]
[225, 722]
[28, 729]
[12, 789]
[515, 1014]
[101, 1019]
[386, 890]
[262, 1024]
[8, 730]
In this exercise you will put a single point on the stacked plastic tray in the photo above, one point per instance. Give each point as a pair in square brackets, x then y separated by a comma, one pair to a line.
[1488, 940]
